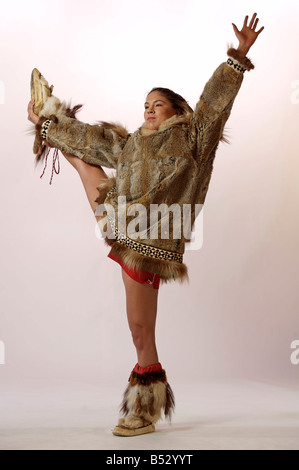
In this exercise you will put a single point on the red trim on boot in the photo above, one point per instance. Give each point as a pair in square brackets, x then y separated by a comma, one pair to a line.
[145, 370]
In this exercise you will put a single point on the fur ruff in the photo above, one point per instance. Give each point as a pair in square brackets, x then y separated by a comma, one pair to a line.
[146, 398]
[174, 120]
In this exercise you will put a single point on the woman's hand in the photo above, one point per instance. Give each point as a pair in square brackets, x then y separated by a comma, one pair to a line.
[247, 36]
[34, 118]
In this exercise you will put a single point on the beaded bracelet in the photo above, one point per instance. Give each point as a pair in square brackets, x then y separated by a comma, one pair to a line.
[45, 127]
[233, 63]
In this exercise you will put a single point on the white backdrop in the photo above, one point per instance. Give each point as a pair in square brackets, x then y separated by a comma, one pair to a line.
[62, 299]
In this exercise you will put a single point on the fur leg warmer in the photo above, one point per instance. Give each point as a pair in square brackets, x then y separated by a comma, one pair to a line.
[147, 396]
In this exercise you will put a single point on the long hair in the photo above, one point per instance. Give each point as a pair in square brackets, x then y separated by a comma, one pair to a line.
[177, 101]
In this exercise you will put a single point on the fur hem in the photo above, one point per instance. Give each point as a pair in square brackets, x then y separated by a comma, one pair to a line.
[245, 61]
[168, 270]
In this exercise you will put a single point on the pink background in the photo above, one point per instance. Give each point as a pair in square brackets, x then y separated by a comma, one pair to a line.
[62, 299]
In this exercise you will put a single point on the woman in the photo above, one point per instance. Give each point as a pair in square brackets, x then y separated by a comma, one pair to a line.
[169, 160]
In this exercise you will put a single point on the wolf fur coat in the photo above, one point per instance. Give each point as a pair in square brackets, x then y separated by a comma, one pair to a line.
[172, 165]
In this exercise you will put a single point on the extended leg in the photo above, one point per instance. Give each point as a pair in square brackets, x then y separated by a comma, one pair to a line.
[91, 177]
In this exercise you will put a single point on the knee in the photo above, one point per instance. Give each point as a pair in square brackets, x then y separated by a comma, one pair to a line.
[141, 336]
[138, 336]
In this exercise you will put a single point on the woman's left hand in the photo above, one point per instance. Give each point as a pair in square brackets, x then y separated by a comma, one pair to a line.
[247, 36]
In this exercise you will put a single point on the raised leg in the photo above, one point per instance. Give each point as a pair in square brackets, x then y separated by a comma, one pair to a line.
[91, 177]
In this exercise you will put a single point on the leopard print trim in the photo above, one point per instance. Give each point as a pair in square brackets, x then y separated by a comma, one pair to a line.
[141, 248]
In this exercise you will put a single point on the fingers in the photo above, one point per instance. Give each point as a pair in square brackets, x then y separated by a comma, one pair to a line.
[252, 20]
[235, 28]
[260, 30]
[245, 22]
[30, 105]
[255, 24]
[31, 114]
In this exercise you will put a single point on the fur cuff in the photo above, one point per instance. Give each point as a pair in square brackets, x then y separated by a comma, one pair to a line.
[244, 61]
[146, 396]
[52, 110]
[38, 146]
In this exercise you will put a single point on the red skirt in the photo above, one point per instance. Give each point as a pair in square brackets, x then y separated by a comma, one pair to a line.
[143, 277]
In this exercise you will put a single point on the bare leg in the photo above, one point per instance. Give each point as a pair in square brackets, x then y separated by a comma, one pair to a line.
[91, 176]
[142, 301]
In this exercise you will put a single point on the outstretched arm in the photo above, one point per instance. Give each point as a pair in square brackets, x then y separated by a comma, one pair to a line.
[98, 145]
[217, 98]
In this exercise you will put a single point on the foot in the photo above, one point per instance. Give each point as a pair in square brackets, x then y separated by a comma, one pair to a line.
[133, 426]
[123, 431]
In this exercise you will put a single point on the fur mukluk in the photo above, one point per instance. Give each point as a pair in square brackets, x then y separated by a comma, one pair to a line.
[146, 398]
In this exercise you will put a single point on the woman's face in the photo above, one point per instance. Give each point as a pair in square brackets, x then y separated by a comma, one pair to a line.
[157, 110]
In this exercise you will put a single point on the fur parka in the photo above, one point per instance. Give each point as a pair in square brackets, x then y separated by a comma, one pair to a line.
[172, 165]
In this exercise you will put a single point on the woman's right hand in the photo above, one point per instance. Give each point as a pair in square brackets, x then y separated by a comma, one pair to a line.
[34, 118]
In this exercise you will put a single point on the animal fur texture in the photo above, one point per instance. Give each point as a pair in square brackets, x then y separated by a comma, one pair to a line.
[145, 399]
[53, 109]
[172, 165]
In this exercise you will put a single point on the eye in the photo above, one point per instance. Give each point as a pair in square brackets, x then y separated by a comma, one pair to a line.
[158, 104]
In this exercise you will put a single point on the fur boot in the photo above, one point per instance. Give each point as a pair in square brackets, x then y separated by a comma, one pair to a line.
[147, 396]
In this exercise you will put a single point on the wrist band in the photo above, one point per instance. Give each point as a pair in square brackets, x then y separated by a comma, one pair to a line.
[235, 64]
[45, 127]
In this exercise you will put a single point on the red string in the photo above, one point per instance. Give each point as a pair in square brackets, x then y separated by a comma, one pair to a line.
[55, 164]
[46, 161]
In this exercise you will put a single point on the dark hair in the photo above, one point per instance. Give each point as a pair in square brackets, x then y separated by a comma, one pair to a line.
[177, 101]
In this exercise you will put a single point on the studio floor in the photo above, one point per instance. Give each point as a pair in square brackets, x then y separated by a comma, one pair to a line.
[229, 414]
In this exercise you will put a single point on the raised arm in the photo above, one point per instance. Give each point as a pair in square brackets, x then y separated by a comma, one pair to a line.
[216, 101]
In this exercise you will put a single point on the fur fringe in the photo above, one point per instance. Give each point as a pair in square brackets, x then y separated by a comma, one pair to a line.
[120, 130]
[145, 398]
[168, 270]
